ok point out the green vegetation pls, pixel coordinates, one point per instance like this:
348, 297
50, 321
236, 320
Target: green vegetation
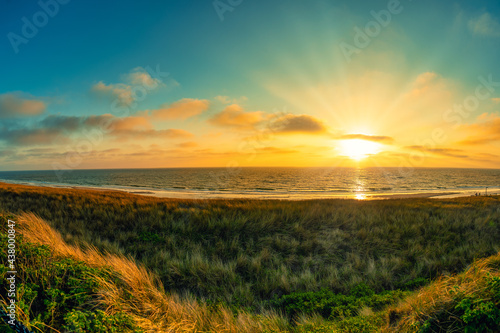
324, 265
333, 306
58, 293
467, 302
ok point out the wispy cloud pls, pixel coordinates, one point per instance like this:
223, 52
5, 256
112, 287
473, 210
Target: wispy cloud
139, 76
484, 25
485, 132
305, 124
235, 116
188, 144
275, 150
183, 109
58, 129
124, 92
20, 105
448, 152
32, 137
229, 100
374, 138
134, 134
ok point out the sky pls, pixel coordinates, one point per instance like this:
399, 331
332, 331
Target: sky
170, 83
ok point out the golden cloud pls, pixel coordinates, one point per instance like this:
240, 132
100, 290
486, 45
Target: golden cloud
183, 109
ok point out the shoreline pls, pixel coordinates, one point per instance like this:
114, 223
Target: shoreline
289, 196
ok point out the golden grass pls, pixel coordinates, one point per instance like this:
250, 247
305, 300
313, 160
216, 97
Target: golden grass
140, 293
441, 296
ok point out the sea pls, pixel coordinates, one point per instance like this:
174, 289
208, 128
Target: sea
273, 182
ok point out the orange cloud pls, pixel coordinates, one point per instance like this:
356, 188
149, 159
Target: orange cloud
134, 134
189, 144
275, 150
36, 136
299, 124
234, 116
183, 109
374, 138
13, 105
448, 152
131, 123
485, 132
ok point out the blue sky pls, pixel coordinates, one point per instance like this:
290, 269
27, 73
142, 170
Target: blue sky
262, 57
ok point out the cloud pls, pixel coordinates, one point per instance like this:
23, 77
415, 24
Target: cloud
7, 153
133, 127
299, 124
15, 105
425, 78
223, 99
183, 109
275, 150
35, 136
139, 76
61, 122
229, 100
428, 85
448, 152
121, 92
125, 135
131, 123
234, 116
56, 129
39, 151
495, 100
50, 130
188, 144
488, 131
374, 138
135, 83
484, 25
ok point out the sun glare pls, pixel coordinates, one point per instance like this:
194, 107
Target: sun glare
358, 149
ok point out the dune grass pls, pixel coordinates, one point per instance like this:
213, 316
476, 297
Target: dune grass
466, 302
243, 253
222, 263
64, 288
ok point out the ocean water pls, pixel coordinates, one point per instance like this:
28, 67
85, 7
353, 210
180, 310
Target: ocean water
274, 183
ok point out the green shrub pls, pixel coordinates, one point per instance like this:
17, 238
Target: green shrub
360, 324
479, 315
98, 322
331, 305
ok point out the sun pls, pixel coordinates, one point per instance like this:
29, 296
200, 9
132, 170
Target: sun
358, 149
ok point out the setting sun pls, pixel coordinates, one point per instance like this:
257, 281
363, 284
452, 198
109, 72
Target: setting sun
358, 149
